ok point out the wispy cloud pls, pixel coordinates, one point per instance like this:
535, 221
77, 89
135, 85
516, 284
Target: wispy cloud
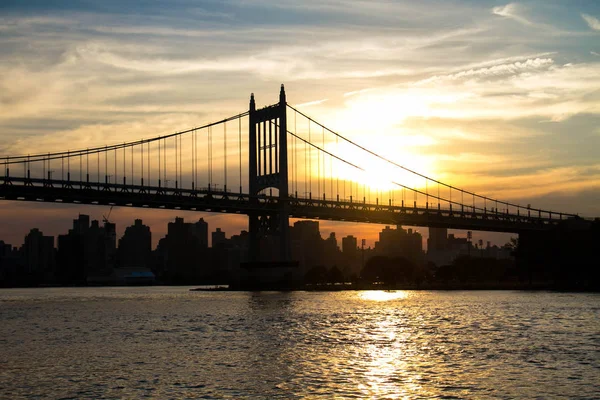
512, 11
312, 103
544, 181
592, 22
496, 70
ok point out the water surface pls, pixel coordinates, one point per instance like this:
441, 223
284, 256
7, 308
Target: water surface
169, 342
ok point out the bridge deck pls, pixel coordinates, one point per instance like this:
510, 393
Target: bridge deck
211, 200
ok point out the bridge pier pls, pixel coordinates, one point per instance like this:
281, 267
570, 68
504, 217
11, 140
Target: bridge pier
270, 261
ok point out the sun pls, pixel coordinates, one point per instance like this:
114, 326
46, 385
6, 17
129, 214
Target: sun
373, 122
376, 173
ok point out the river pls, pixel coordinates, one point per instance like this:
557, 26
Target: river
172, 343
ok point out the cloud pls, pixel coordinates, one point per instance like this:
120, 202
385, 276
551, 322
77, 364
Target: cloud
495, 70
311, 103
512, 11
541, 182
592, 22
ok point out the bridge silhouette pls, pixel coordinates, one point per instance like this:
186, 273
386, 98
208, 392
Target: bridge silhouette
259, 164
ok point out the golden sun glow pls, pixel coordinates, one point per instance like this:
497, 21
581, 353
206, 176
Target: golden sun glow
377, 173
376, 122
381, 295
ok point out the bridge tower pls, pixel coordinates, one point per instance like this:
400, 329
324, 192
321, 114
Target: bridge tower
269, 170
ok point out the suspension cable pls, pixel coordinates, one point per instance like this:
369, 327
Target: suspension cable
408, 169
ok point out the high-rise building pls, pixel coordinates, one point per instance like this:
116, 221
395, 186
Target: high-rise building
218, 238
400, 242
307, 244
201, 232
81, 224
438, 239
38, 253
183, 251
135, 247
349, 246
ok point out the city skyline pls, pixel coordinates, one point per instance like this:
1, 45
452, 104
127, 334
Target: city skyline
159, 234
501, 99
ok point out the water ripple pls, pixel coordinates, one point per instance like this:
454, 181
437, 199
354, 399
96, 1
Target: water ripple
161, 342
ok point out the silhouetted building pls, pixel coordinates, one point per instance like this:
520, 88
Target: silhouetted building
399, 242
70, 259
38, 254
218, 238
87, 253
438, 239
307, 244
135, 247
100, 251
81, 224
350, 246
352, 258
201, 232
9, 260
183, 253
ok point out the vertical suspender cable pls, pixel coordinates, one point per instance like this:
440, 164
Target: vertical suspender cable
331, 176
225, 155
305, 169
142, 163
98, 172
323, 155
295, 155
240, 149
309, 163
270, 147
196, 157
148, 166
263, 149
105, 164
159, 165
193, 161
318, 173
209, 156
124, 165
180, 160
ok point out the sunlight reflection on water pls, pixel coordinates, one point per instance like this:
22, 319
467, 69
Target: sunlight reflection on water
381, 295
172, 343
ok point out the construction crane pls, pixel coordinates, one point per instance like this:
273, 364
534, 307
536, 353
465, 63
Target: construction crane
105, 219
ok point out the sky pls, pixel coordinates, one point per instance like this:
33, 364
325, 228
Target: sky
499, 98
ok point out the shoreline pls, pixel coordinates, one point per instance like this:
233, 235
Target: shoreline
345, 287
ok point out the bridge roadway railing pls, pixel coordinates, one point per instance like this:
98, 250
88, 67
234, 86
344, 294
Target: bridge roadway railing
464, 218
78, 192
212, 200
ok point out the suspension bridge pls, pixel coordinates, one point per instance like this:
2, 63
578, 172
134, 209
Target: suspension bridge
272, 164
